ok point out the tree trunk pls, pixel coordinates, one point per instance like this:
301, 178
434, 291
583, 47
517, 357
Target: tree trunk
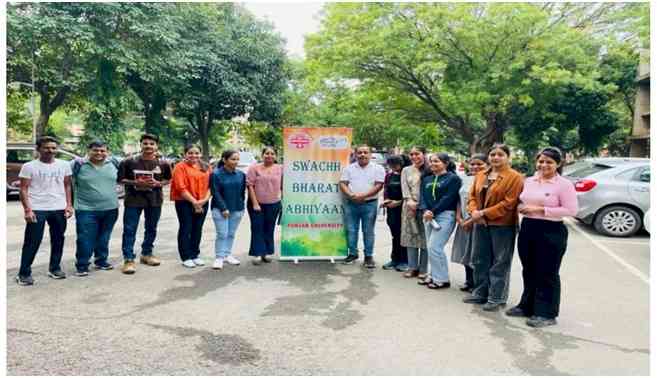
204, 122
530, 153
153, 108
205, 145
47, 106
44, 114
42, 123
494, 133
153, 99
187, 139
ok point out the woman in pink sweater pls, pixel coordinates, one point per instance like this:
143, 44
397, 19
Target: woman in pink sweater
264, 181
546, 199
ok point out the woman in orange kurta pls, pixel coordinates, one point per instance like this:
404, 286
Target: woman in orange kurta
190, 189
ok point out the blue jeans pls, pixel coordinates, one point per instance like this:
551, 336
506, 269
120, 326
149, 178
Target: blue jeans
226, 229
436, 240
417, 259
131, 223
34, 234
354, 214
94, 230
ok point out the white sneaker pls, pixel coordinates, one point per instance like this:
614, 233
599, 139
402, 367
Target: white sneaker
232, 261
189, 264
198, 261
218, 264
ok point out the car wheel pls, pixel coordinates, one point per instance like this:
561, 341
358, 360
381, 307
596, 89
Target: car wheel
617, 221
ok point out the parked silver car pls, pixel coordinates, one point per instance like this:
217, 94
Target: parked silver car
613, 193
247, 159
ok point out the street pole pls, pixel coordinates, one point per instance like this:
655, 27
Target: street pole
34, 119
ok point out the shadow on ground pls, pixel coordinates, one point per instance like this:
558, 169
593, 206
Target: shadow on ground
338, 307
515, 342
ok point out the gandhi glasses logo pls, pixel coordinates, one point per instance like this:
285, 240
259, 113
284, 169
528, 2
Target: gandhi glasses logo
333, 142
299, 140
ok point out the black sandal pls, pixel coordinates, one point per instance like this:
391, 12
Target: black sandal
434, 285
426, 281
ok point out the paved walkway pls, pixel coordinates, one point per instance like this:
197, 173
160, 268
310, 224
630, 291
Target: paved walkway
313, 318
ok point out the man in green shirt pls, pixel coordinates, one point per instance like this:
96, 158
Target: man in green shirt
96, 207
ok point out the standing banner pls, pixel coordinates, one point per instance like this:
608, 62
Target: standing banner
312, 226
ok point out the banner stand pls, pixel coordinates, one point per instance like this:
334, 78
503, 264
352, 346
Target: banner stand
295, 260
312, 223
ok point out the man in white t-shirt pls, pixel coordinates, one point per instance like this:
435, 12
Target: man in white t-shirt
361, 182
46, 197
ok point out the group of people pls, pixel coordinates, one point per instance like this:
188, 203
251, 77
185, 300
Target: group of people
424, 197
426, 201
52, 190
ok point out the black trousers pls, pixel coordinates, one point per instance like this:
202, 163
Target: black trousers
34, 234
263, 223
394, 219
190, 229
541, 246
469, 276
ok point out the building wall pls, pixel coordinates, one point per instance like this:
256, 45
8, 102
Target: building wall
640, 136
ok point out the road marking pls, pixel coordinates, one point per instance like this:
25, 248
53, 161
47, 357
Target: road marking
611, 254
622, 241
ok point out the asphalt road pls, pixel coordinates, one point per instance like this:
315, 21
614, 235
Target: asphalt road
316, 317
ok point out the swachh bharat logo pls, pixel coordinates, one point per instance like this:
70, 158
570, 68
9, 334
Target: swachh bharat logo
299, 140
333, 142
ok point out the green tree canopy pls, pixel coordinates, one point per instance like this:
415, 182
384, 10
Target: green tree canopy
51, 47
240, 74
463, 66
200, 62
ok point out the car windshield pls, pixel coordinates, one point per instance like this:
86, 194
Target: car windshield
247, 158
20, 156
583, 169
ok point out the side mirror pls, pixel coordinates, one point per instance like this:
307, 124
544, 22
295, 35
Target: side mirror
645, 176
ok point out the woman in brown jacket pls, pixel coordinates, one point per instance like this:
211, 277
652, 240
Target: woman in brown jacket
493, 203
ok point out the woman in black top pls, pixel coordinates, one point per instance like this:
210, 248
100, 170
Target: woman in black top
439, 197
392, 201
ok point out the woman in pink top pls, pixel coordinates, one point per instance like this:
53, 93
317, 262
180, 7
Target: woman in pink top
546, 199
264, 182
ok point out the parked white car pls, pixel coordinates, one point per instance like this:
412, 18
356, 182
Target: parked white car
613, 193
